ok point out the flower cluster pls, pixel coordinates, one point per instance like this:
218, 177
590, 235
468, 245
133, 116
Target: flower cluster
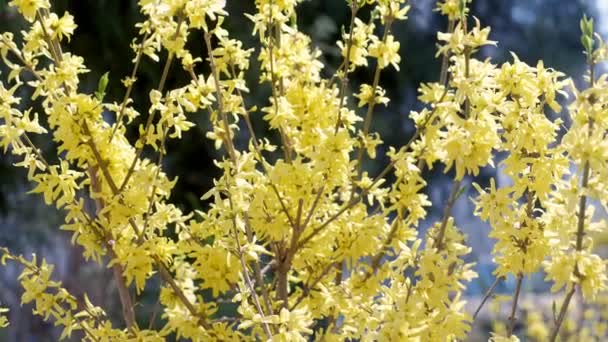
298, 237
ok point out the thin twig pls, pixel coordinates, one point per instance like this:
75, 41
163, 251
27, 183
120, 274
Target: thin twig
118, 271
376, 180
284, 137
456, 187
125, 99
313, 207
487, 296
443, 75
370, 108
124, 295
562, 315
346, 64
512, 319
227, 136
377, 259
580, 231
125, 298
123, 290
259, 152
97, 230
248, 281
36, 271
161, 86
447, 213
258, 271
311, 285
168, 278
154, 313
163, 269
40, 16
256, 265
151, 197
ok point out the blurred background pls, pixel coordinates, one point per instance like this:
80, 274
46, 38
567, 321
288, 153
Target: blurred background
533, 29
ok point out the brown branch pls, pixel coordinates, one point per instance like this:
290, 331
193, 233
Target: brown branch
284, 138
256, 265
370, 108
154, 314
168, 278
227, 136
26, 64
354, 8
456, 187
376, 259
160, 88
487, 296
151, 198
580, 231
123, 291
447, 213
292, 223
125, 99
125, 297
313, 207
376, 180
562, 315
248, 281
118, 271
331, 219
36, 271
54, 48
258, 272
512, 319
444, 75
311, 285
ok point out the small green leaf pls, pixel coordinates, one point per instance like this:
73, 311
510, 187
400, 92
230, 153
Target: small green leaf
586, 25
589, 28
101, 86
587, 44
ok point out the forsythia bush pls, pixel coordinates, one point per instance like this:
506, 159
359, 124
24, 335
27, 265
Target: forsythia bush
309, 246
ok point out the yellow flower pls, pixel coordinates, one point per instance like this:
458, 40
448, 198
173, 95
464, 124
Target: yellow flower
292, 325
3, 319
304, 235
367, 96
452, 8
492, 205
360, 39
29, 7
457, 41
386, 52
218, 269
61, 27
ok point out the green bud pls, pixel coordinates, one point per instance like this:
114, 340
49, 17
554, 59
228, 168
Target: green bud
101, 86
587, 43
586, 25
589, 27
583, 24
